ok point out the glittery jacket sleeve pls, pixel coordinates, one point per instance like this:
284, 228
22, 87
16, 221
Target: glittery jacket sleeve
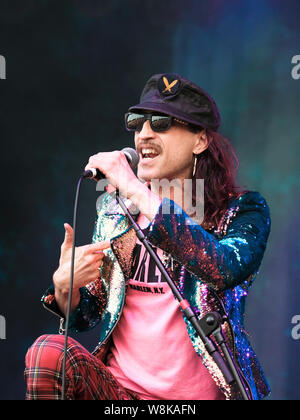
221, 262
84, 317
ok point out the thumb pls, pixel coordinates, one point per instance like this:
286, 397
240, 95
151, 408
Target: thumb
68, 241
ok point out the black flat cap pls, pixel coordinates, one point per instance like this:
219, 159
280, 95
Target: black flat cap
174, 95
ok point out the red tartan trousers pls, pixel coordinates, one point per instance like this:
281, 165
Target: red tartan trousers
87, 378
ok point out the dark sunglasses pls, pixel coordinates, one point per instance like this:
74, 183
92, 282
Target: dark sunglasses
135, 122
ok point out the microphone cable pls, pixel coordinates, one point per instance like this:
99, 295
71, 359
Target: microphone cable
67, 318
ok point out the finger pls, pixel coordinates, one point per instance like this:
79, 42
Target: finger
99, 253
88, 167
94, 161
68, 240
98, 246
97, 257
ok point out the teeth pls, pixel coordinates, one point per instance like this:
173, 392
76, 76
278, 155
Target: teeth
148, 151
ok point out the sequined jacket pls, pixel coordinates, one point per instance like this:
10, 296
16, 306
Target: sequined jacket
213, 270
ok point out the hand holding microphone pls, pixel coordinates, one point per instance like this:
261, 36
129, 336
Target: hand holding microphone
116, 167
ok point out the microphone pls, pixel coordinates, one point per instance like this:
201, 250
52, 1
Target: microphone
131, 156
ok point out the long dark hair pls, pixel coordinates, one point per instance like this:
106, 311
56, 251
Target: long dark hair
217, 165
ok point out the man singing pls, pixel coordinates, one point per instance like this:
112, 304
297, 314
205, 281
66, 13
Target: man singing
148, 349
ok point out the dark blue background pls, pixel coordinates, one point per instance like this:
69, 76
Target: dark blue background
73, 68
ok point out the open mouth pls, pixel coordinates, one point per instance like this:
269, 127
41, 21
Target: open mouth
148, 153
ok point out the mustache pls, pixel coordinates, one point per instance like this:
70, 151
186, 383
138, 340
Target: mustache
147, 145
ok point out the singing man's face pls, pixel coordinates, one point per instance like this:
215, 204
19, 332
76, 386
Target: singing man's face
173, 151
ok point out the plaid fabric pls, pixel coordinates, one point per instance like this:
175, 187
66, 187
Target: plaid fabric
87, 378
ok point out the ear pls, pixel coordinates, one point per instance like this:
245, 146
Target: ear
201, 142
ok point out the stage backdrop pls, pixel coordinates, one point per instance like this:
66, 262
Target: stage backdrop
68, 72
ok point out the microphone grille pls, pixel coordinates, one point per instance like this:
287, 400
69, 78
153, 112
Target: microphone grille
132, 156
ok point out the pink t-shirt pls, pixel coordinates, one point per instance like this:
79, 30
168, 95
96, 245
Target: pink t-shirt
152, 353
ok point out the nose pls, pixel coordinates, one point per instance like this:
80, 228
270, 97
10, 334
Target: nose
144, 135
146, 131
